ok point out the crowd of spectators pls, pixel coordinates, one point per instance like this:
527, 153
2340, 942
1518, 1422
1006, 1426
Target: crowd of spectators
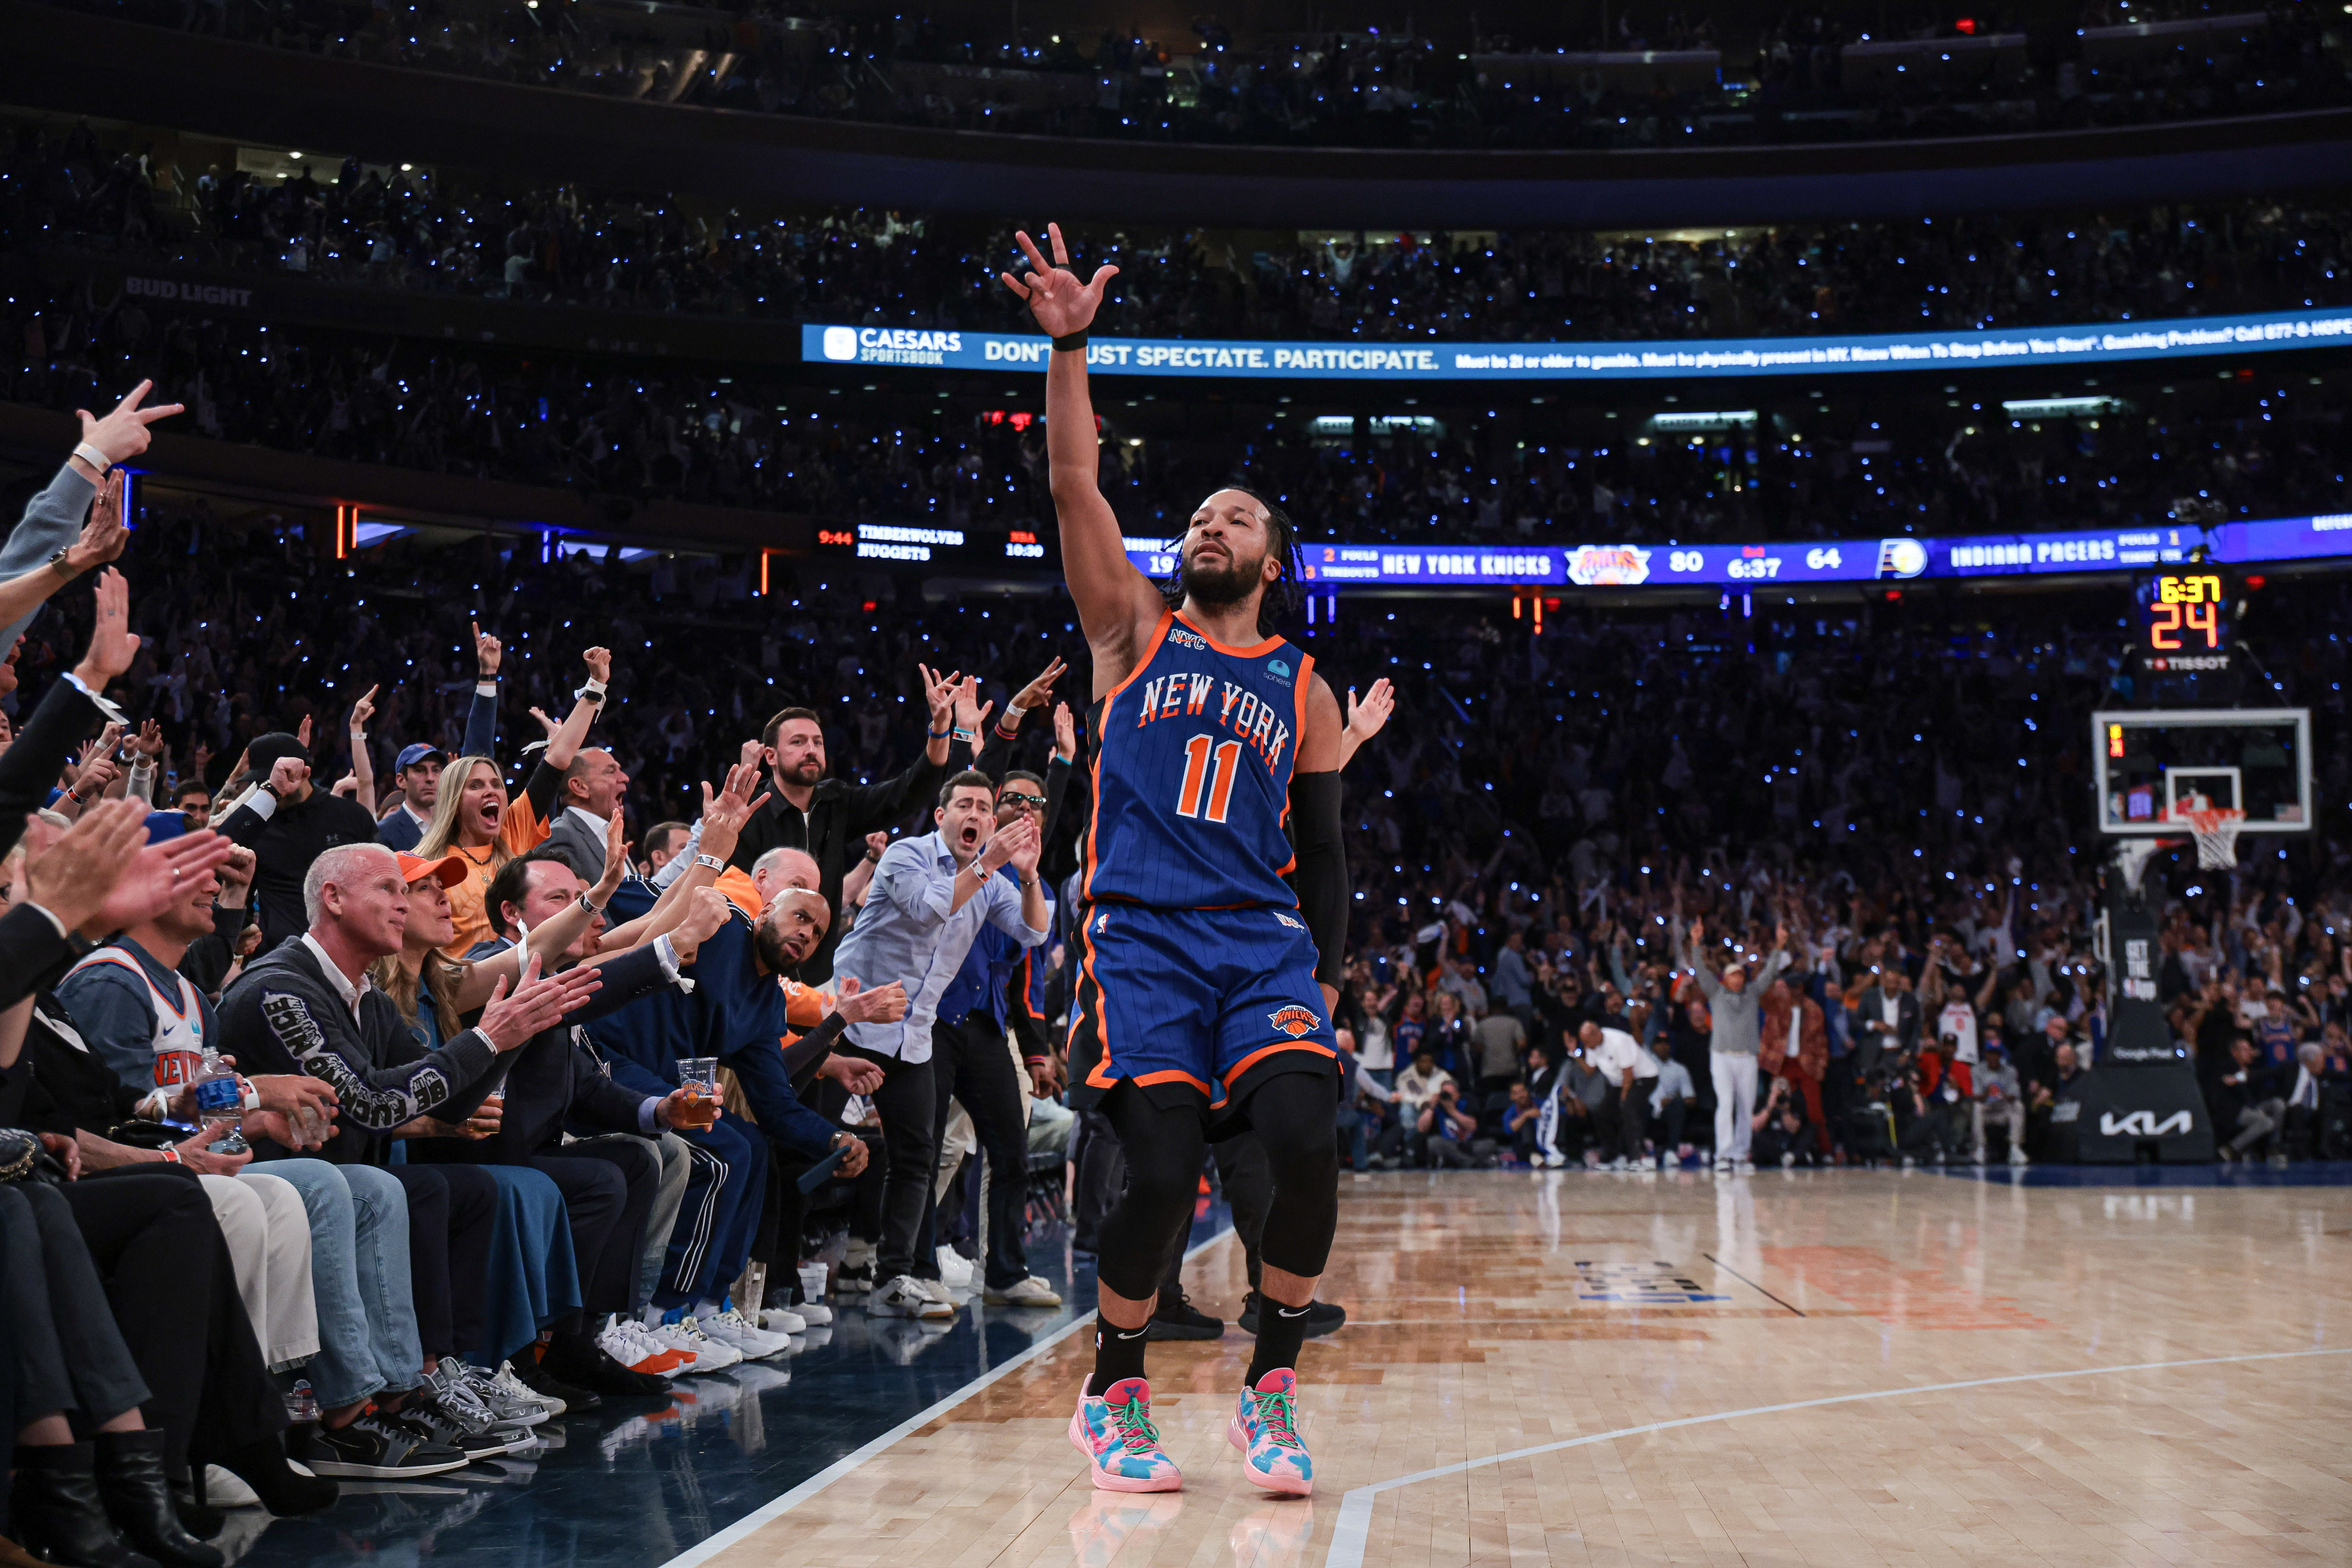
1797, 82
1924, 463
1609, 877
398, 227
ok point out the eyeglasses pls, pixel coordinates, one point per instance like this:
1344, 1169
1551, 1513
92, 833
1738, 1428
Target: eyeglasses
1011, 797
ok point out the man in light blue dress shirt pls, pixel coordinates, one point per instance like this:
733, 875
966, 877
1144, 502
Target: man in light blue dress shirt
925, 905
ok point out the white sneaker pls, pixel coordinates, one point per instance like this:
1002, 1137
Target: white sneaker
687, 1335
515, 1388
1666, 1161
783, 1320
226, 1488
905, 1297
1029, 1292
817, 1314
729, 1328
1553, 1162
936, 1290
955, 1269
1744, 1167
2017, 1156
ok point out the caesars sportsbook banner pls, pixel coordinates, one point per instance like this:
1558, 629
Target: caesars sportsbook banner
948, 349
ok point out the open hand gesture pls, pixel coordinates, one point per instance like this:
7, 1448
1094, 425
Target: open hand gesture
104, 535
970, 713
1059, 302
112, 644
940, 691
1065, 733
1366, 718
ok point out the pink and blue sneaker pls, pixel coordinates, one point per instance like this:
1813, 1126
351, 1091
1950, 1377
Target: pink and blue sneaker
1113, 1430
1266, 1429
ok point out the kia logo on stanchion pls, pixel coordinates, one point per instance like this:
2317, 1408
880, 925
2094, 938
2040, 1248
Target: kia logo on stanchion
2142, 1124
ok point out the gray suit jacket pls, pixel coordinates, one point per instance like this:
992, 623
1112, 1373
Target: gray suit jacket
572, 839
52, 521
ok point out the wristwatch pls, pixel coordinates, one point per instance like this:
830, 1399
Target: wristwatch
63, 568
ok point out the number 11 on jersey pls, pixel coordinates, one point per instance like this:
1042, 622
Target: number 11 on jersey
1197, 772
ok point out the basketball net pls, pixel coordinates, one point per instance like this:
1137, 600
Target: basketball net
2216, 831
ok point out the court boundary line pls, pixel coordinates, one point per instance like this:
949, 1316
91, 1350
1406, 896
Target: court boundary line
1352, 1531
775, 1508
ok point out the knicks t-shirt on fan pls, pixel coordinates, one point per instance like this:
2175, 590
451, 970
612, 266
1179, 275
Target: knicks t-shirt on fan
1191, 773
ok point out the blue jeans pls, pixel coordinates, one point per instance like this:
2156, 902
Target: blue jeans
358, 1278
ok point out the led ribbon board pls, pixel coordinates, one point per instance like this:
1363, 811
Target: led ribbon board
1891, 561
1682, 359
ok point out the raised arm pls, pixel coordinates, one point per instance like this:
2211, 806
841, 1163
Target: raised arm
1117, 606
103, 539
482, 717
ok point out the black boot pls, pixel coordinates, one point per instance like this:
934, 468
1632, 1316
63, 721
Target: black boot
200, 1519
59, 1513
139, 1500
261, 1465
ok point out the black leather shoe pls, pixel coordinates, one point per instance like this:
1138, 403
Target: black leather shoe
139, 1500
58, 1513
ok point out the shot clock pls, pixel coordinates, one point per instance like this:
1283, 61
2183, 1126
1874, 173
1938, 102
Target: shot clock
2184, 618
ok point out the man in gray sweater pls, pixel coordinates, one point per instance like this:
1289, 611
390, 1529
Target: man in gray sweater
1734, 1003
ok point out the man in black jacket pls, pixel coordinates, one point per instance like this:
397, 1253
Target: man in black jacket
806, 810
287, 822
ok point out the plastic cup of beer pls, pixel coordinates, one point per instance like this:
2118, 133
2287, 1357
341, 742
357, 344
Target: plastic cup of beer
698, 1076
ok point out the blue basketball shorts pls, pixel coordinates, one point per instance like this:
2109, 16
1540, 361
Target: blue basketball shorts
1195, 1005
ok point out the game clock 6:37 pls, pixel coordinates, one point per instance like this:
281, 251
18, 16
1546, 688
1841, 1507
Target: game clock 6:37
2185, 611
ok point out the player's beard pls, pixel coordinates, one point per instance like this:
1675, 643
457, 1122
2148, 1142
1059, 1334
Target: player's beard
769, 947
1221, 587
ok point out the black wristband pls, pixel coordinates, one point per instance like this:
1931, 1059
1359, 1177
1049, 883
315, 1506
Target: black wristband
1070, 342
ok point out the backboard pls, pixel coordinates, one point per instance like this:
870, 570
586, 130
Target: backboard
2153, 764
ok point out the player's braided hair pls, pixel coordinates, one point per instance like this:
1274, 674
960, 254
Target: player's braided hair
1283, 595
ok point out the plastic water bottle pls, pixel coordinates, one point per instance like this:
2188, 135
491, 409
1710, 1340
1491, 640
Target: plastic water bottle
220, 1103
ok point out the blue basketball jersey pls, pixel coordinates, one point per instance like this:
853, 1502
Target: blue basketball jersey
1192, 755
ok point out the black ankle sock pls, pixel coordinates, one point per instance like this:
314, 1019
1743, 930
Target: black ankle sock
1280, 1332
1118, 1353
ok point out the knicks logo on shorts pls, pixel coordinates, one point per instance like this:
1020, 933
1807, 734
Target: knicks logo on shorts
1294, 1022
1286, 919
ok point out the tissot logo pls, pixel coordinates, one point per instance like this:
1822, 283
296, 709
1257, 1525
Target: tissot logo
2142, 1124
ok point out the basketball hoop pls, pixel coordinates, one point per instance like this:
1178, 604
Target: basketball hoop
2216, 830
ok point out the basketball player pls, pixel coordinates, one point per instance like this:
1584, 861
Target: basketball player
1205, 986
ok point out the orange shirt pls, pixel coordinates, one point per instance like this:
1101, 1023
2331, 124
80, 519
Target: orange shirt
520, 830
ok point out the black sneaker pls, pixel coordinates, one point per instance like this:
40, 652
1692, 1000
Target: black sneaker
590, 1368
1180, 1320
534, 1375
374, 1447
424, 1413
1322, 1317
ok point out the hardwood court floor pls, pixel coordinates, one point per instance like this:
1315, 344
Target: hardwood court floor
1572, 1314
